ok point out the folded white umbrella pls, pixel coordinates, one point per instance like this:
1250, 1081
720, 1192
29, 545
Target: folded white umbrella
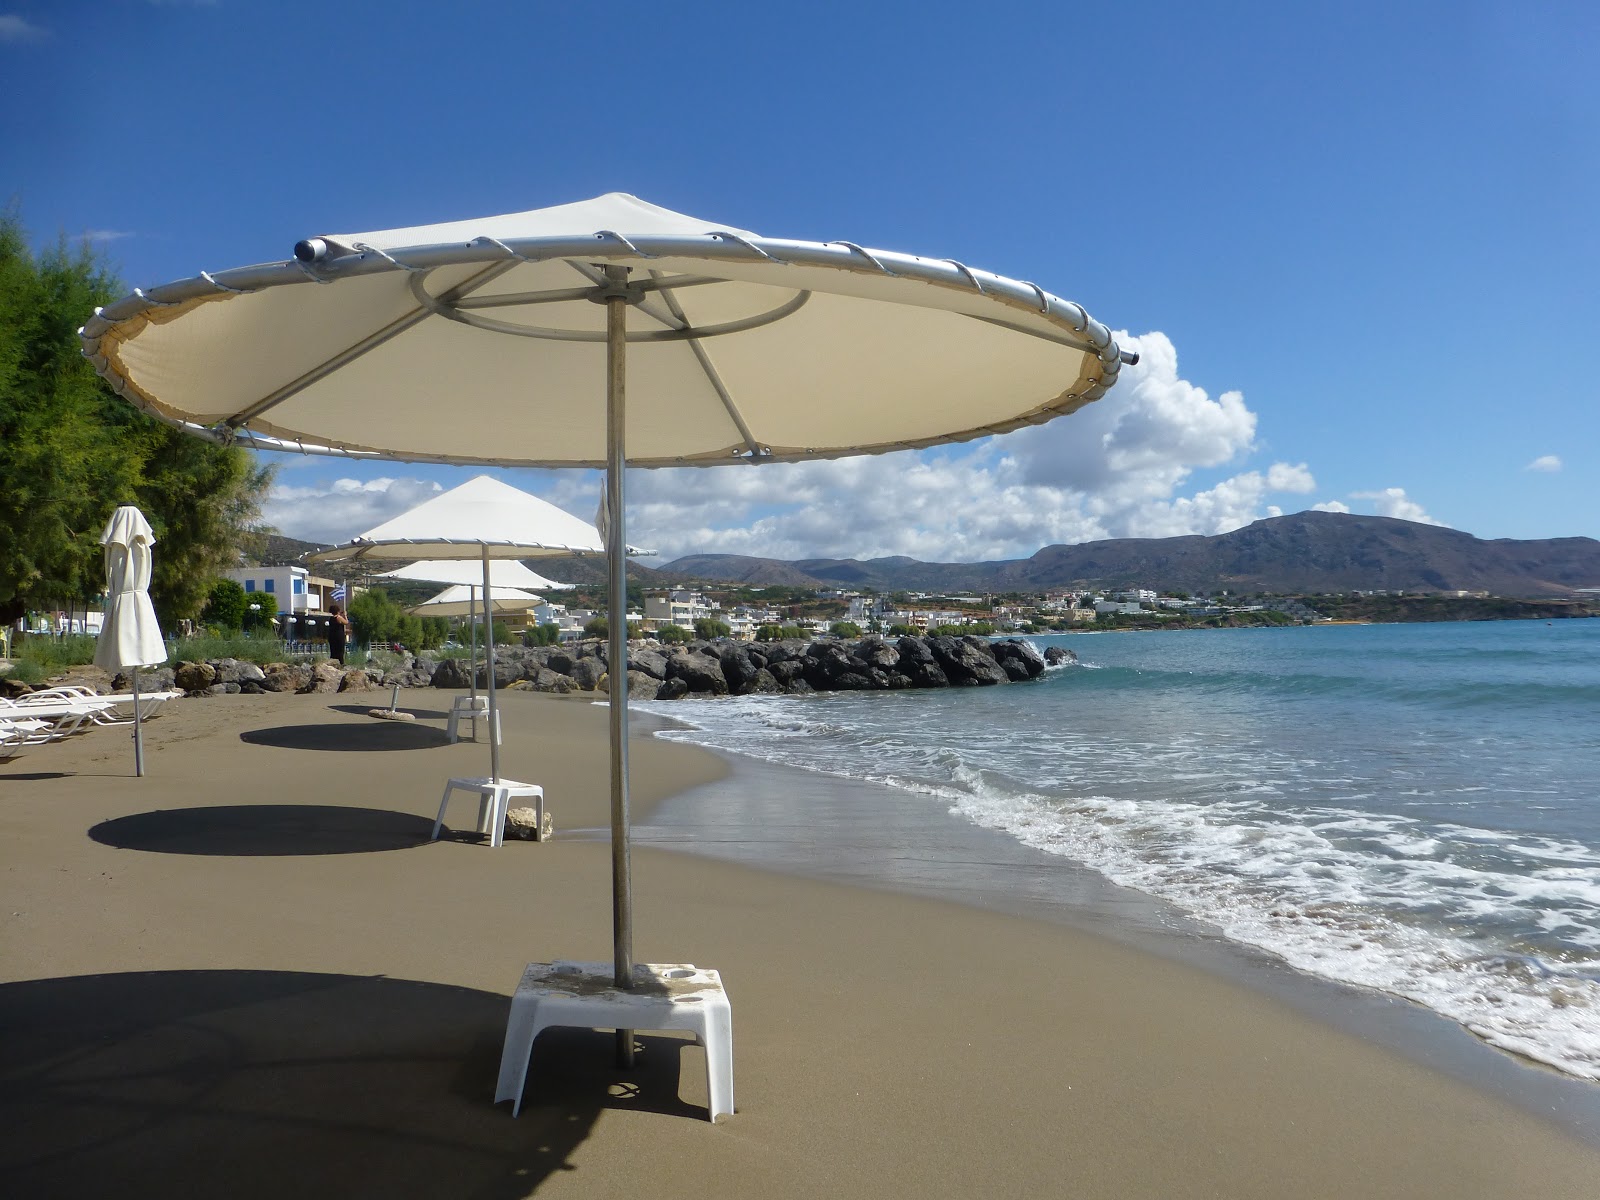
460, 600
605, 333
130, 636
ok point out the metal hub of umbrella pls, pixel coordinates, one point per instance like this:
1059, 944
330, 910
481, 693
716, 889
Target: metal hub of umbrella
604, 333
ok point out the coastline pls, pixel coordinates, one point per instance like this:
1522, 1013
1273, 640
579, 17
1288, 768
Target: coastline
869, 835
887, 1044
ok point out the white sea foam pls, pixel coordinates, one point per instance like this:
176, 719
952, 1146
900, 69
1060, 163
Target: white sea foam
1494, 928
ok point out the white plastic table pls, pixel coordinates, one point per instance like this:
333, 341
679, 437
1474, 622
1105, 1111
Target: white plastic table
494, 798
582, 994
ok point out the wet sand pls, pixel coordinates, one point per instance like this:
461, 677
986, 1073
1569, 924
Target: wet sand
250, 973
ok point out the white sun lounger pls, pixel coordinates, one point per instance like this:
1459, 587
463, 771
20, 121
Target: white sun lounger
105, 710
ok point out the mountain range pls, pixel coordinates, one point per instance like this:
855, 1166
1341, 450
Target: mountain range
1305, 553
1308, 552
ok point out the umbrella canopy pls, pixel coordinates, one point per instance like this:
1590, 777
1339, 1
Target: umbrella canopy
739, 345
130, 636
503, 572
482, 516
608, 332
460, 600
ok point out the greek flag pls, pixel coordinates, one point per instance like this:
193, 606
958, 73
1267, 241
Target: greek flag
338, 592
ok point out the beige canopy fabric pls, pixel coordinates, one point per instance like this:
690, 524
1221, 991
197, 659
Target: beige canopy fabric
503, 572
799, 350
461, 600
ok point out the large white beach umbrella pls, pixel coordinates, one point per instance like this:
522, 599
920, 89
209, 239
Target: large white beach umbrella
602, 333
130, 636
482, 519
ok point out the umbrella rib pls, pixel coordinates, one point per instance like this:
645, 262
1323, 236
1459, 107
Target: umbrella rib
710, 370
370, 342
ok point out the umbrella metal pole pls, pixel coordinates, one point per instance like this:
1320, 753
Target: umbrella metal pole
138, 735
617, 627
472, 654
488, 654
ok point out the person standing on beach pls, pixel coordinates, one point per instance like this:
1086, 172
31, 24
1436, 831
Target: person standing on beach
338, 626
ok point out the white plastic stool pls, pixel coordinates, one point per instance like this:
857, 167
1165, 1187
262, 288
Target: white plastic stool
582, 994
471, 707
494, 798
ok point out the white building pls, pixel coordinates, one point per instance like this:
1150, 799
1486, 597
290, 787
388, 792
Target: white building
288, 586
1102, 607
679, 607
1135, 596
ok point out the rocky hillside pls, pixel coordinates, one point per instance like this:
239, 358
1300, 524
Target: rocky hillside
1307, 552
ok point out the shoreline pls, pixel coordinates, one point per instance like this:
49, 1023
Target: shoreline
961, 863
251, 972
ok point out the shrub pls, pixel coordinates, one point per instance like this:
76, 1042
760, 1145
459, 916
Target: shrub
52, 654
709, 628
601, 628
225, 605
845, 629
259, 609
670, 634
541, 635
903, 631
778, 633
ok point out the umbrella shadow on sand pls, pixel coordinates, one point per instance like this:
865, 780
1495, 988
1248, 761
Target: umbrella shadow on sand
265, 1083
377, 735
252, 830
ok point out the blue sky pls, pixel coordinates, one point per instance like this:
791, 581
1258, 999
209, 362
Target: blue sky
1358, 242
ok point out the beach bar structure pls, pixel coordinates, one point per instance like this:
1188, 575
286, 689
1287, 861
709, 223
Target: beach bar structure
604, 333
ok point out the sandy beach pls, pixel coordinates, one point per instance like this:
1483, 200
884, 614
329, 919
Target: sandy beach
251, 974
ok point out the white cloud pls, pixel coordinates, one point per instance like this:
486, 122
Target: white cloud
15, 29
1334, 506
106, 235
1393, 502
1545, 462
339, 509
1114, 469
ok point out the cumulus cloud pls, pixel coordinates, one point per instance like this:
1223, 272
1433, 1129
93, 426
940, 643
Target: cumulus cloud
1114, 469
339, 509
14, 29
1545, 462
1333, 506
1393, 502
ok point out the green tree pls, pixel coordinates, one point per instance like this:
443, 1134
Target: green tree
541, 635
670, 634
599, 627
845, 629
902, 630
707, 628
374, 617
225, 606
259, 609
71, 451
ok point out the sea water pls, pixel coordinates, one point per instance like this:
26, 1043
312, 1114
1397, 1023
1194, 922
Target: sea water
1413, 809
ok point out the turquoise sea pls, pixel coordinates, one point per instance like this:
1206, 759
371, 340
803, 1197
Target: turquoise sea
1412, 809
